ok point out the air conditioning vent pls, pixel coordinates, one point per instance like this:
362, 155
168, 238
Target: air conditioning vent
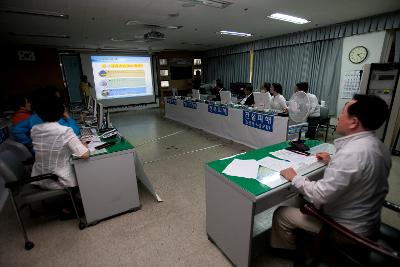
154, 36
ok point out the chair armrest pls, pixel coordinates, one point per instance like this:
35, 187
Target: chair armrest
21, 182
311, 210
391, 206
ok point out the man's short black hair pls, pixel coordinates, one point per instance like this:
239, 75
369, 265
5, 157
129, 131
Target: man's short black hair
277, 88
372, 111
249, 88
19, 102
303, 86
220, 84
48, 106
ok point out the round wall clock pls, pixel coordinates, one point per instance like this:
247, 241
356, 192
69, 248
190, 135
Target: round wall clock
358, 54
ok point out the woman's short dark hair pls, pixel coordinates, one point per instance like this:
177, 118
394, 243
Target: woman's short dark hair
372, 111
303, 86
277, 88
266, 85
48, 106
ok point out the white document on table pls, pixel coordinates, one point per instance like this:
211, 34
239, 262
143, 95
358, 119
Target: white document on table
325, 147
233, 156
270, 177
294, 158
93, 151
242, 168
275, 164
93, 144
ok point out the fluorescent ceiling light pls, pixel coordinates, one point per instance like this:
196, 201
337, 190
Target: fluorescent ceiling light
241, 34
211, 3
288, 18
64, 36
43, 13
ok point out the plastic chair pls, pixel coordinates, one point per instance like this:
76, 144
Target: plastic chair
23, 193
336, 245
22, 152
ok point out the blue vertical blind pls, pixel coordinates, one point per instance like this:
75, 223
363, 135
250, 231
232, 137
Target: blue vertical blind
317, 63
229, 68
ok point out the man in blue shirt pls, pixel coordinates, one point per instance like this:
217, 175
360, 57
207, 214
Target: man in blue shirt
22, 130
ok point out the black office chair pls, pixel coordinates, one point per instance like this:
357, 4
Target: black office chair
324, 121
22, 192
335, 245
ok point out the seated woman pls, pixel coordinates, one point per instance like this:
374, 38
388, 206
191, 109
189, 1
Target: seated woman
265, 88
54, 144
278, 102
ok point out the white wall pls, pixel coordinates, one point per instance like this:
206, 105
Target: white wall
373, 42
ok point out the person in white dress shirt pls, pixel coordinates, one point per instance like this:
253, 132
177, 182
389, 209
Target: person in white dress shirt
314, 116
54, 144
355, 182
278, 102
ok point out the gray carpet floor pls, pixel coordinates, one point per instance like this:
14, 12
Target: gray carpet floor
171, 233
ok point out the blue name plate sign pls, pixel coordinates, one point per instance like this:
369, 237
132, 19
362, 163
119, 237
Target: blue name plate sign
171, 101
220, 110
189, 104
258, 120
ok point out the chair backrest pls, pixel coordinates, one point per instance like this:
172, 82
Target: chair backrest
324, 115
19, 149
11, 167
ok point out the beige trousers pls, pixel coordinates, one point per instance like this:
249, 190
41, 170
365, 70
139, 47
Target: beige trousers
285, 221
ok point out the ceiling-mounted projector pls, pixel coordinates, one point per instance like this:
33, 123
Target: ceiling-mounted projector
154, 36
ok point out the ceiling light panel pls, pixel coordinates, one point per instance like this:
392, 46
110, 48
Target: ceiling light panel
210, 3
288, 18
240, 34
62, 36
43, 13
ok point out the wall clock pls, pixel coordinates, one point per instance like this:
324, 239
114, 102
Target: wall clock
358, 54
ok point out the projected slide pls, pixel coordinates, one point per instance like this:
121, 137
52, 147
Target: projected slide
122, 76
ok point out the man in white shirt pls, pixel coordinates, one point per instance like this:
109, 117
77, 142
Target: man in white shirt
354, 184
314, 115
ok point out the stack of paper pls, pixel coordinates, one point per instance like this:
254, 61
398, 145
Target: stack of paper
275, 164
294, 158
242, 168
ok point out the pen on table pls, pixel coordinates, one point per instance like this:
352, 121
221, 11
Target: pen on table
301, 153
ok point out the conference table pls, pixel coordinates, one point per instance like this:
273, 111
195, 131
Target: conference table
245, 126
108, 182
232, 202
